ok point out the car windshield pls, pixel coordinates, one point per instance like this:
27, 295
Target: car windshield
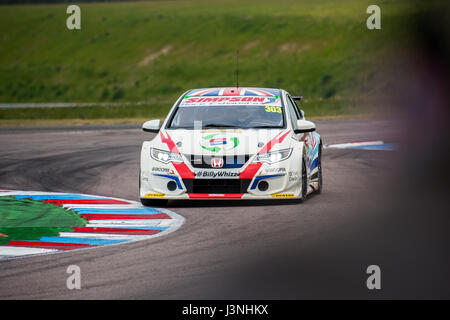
228, 116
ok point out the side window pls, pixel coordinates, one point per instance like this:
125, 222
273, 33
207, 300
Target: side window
299, 111
293, 112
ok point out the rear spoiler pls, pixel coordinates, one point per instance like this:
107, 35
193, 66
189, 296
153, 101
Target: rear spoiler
298, 98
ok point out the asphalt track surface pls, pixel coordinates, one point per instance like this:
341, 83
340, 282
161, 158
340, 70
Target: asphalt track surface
230, 249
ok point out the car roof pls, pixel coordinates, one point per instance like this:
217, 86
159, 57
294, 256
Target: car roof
233, 91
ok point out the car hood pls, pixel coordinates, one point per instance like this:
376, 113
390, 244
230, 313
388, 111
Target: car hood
222, 142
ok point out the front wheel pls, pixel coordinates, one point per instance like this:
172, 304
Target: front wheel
319, 172
304, 182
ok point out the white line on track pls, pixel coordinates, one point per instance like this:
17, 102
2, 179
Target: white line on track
91, 235
355, 144
11, 251
130, 223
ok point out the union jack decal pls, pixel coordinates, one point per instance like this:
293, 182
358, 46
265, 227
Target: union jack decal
233, 92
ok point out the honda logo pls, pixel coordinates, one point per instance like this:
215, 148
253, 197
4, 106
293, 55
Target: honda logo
217, 162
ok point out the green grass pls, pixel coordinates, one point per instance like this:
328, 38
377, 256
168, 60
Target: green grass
25, 219
151, 52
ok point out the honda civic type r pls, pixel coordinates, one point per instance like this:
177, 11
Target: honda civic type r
231, 143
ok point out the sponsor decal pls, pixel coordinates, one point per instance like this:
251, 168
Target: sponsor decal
218, 141
220, 100
282, 195
274, 170
165, 170
154, 195
209, 174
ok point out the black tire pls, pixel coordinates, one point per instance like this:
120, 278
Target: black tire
320, 177
154, 202
304, 182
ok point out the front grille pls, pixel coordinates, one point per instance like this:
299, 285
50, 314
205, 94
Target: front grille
230, 162
216, 185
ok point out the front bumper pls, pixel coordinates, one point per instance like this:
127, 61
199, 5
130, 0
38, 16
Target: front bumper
262, 186
195, 180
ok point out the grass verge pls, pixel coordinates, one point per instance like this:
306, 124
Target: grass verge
154, 51
25, 219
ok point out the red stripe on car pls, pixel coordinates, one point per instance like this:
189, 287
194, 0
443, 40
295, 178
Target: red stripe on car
182, 169
215, 195
252, 168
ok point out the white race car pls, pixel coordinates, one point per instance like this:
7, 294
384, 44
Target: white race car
231, 143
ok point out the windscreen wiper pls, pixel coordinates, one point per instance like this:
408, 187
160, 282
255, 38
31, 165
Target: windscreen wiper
218, 125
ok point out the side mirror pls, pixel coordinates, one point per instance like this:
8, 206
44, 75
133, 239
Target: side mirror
152, 126
304, 126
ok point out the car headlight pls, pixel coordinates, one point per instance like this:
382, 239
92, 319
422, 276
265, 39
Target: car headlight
273, 156
165, 156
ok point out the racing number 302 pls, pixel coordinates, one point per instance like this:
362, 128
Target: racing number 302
273, 109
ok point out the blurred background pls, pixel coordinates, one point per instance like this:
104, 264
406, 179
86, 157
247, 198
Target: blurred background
131, 60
